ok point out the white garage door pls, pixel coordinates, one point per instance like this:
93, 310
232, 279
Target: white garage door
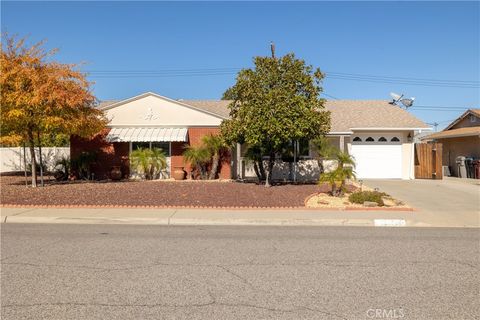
378, 160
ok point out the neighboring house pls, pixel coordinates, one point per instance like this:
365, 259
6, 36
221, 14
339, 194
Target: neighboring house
459, 138
379, 136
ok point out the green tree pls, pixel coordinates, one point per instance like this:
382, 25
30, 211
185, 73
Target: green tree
215, 145
274, 103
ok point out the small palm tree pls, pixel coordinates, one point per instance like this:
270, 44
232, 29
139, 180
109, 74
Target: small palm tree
346, 164
149, 162
198, 157
215, 145
338, 177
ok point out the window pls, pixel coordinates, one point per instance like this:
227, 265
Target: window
303, 148
370, 139
473, 118
382, 139
357, 139
140, 145
165, 146
395, 139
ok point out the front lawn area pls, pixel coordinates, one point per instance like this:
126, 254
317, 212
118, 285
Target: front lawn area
156, 193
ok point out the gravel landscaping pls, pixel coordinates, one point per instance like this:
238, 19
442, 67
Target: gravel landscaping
155, 193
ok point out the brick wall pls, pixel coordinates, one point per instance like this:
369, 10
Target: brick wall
108, 154
116, 154
194, 139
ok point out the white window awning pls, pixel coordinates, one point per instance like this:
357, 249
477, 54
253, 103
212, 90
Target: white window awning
146, 134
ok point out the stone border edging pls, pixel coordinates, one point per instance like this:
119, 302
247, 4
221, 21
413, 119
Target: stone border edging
352, 208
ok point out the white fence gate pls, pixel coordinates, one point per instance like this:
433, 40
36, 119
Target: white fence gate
11, 159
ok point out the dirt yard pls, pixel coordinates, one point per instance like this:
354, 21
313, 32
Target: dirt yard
155, 193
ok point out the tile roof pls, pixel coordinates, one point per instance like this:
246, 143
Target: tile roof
454, 133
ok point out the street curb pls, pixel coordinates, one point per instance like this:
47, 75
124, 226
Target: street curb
191, 221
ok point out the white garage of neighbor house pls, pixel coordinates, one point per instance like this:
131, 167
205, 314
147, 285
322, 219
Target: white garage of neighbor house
377, 134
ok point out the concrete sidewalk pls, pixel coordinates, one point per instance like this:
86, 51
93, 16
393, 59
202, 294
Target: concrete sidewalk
225, 217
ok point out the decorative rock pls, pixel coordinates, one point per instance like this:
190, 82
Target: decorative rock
370, 204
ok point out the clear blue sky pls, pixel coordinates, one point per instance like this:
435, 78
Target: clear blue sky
427, 40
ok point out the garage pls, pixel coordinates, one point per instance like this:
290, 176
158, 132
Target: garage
377, 157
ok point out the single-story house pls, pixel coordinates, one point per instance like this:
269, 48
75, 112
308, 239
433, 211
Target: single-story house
377, 134
459, 138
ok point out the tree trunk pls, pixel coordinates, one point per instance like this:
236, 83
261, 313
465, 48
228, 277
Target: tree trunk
334, 189
215, 165
257, 172
261, 168
25, 163
33, 159
343, 187
271, 163
320, 165
40, 158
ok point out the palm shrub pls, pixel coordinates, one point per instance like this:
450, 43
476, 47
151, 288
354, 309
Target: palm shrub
64, 171
198, 157
338, 178
82, 164
148, 162
215, 146
346, 165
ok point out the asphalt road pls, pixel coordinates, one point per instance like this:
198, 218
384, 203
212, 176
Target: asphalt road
156, 272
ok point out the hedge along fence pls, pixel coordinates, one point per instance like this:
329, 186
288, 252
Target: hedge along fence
11, 159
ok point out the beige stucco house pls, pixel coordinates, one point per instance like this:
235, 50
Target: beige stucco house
378, 134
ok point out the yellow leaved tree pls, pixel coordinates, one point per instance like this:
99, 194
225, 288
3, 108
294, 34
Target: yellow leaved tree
40, 96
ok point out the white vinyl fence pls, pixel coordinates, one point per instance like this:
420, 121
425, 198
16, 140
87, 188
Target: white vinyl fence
11, 159
306, 170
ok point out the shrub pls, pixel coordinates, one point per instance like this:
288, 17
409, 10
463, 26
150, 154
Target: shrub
362, 196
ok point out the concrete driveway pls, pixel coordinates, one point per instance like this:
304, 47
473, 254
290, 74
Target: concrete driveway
448, 202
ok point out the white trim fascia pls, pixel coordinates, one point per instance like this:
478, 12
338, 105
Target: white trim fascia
390, 129
460, 135
149, 93
340, 133
159, 126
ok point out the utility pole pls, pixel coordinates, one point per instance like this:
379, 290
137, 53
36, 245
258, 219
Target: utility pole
272, 48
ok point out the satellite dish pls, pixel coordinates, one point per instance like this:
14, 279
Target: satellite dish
407, 103
396, 97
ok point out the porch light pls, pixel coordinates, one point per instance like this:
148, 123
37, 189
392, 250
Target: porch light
409, 137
